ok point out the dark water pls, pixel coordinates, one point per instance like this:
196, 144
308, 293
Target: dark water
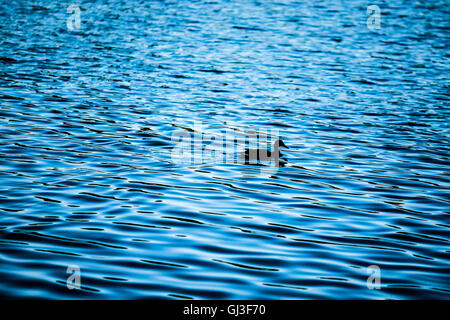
87, 179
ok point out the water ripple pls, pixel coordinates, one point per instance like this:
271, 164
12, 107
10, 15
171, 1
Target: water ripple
87, 178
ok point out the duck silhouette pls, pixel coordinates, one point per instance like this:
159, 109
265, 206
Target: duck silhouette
255, 155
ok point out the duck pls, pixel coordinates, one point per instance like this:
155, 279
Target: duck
255, 155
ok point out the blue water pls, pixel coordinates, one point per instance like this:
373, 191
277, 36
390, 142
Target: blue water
87, 179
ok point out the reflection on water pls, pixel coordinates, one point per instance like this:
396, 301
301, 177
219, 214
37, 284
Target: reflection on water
87, 178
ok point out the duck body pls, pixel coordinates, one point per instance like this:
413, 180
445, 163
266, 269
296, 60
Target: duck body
255, 155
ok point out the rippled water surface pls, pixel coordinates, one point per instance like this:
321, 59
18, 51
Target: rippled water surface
87, 118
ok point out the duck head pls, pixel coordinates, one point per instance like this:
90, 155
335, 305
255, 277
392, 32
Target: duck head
279, 143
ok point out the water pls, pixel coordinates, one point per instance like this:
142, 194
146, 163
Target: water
87, 179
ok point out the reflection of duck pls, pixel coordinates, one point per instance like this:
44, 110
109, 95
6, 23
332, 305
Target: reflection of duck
254, 155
